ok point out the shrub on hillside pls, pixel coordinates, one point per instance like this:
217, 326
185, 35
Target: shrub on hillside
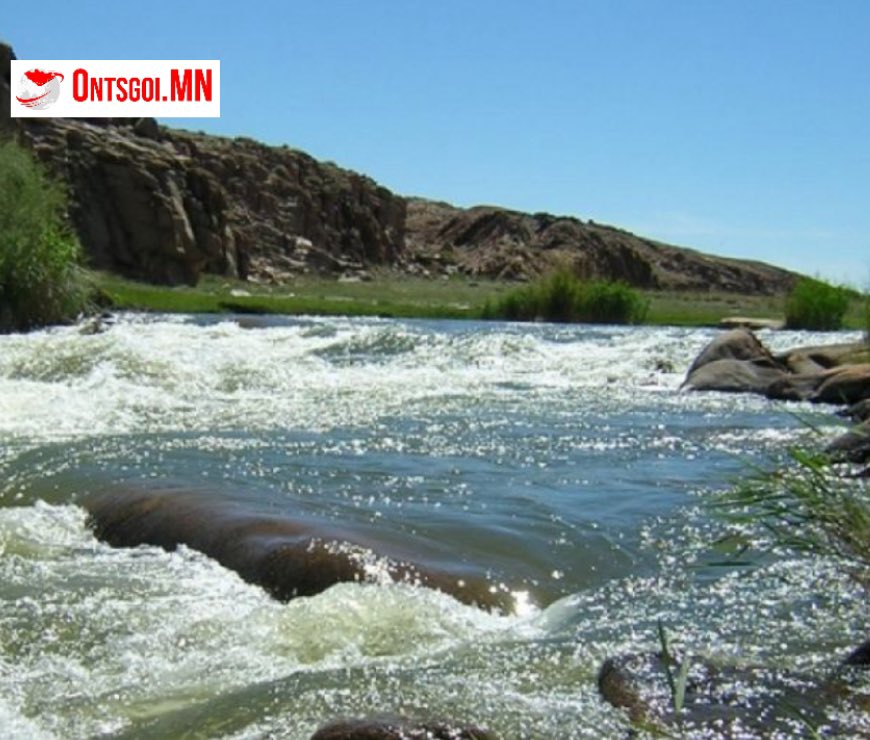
815, 304
40, 281
563, 297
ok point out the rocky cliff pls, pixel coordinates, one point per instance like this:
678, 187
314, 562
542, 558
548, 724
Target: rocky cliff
167, 205
508, 244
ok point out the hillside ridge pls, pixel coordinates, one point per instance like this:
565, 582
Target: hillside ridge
167, 205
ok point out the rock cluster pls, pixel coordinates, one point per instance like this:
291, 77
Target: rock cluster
167, 206
736, 361
724, 699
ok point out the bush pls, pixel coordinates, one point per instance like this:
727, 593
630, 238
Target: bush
814, 304
40, 282
561, 296
866, 317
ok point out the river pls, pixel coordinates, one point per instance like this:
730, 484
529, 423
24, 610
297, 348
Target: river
559, 463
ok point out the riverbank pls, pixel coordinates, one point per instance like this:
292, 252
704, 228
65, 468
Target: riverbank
389, 294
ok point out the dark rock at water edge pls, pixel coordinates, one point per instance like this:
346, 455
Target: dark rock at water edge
858, 411
400, 728
736, 361
724, 700
167, 205
852, 446
860, 656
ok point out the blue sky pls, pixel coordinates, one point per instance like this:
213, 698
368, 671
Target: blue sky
738, 127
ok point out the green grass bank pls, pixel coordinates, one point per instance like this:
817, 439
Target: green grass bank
390, 294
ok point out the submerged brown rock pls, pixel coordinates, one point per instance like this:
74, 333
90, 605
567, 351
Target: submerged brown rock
724, 701
399, 728
287, 557
167, 206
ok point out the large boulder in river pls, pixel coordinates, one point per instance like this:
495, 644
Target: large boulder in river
795, 387
815, 358
288, 557
400, 728
736, 344
844, 385
735, 361
735, 376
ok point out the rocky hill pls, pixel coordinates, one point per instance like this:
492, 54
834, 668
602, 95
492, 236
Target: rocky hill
166, 205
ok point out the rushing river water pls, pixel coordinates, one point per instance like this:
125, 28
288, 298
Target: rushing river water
559, 463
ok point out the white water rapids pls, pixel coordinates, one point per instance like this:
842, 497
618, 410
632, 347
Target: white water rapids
559, 463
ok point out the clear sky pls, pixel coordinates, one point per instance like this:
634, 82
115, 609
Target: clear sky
739, 127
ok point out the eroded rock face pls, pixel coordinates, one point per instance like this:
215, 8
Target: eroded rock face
500, 243
399, 728
167, 205
139, 209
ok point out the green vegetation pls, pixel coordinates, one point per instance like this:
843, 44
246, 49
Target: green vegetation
562, 296
397, 295
815, 304
40, 282
676, 683
387, 296
865, 318
806, 507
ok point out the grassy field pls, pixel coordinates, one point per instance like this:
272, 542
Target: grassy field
389, 294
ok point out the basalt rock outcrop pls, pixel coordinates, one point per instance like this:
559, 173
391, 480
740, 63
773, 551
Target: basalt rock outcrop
166, 205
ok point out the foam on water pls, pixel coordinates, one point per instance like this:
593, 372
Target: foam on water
562, 462
152, 375
99, 636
